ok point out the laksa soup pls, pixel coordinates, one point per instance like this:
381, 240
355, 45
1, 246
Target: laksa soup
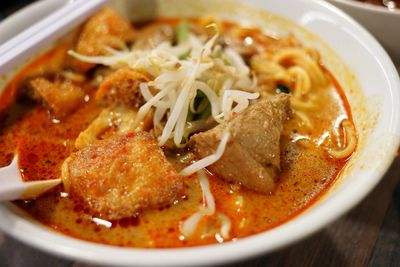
175, 132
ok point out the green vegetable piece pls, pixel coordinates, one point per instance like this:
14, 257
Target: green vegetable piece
282, 89
185, 55
182, 32
190, 116
206, 113
226, 62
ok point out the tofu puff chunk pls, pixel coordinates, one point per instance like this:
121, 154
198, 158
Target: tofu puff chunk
152, 36
105, 29
119, 93
62, 97
121, 176
122, 87
252, 154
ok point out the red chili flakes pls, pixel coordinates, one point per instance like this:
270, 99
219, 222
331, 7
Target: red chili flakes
130, 221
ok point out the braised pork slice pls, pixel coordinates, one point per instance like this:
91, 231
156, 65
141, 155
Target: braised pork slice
105, 29
122, 87
252, 155
121, 176
62, 97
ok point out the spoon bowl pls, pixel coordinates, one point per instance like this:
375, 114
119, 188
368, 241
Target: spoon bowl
13, 187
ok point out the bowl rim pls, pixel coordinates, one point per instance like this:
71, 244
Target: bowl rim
369, 7
41, 237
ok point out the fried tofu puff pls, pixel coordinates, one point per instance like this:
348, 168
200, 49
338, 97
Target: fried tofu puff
121, 176
62, 97
105, 29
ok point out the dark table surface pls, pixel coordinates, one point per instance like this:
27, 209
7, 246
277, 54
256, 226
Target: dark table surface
367, 236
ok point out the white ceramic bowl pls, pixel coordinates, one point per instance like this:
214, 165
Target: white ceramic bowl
370, 82
380, 21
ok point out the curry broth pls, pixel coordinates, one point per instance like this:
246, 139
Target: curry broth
43, 142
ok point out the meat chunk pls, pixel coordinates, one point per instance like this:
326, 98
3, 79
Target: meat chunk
252, 154
106, 29
122, 87
121, 176
62, 97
